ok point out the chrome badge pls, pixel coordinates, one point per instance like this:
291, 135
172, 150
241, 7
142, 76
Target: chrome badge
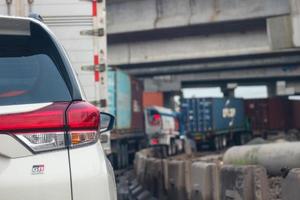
38, 169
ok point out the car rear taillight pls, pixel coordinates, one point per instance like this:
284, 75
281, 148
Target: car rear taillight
49, 118
83, 121
56, 126
43, 141
154, 141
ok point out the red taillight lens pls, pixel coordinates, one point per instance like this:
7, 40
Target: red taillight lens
48, 118
83, 120
83, 116
154, 141
46, 128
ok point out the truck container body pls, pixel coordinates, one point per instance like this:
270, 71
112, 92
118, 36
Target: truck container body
295, 108
268, 115
111, 92
123, 100
137, 90
181, 124
153, 99
71, 21
213, 115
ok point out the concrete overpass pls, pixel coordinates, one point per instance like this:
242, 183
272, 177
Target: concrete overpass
189, 43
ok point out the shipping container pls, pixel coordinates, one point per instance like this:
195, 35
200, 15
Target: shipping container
257, 115
295, 109
279, 113
125, 102
216, 115
268, 115
137, 90
153, 99
213, 119
112, 92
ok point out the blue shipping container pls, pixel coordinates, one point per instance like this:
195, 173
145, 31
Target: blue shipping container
119, 95
111, 92
123, 107
213, 115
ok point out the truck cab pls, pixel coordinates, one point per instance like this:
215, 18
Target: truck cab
162, 126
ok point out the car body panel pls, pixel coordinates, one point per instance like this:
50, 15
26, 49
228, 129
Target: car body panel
92, 175
17, 181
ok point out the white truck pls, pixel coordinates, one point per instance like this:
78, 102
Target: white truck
162, 127
80, 27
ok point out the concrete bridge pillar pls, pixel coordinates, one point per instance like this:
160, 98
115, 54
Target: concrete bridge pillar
282, 88
170, 101
228, 90
168, 87
272, 91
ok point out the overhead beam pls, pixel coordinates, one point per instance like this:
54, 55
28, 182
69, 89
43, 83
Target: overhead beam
188, 67
248, 75
242, 74
137, 15
189, 47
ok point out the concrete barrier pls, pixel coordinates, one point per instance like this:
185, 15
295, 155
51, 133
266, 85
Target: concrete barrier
136, 163
290, 185
212, 159
140, 168
137, 191
244, 183
145, 195
205, 181
193, 178
154, 177
166, 174
178, 180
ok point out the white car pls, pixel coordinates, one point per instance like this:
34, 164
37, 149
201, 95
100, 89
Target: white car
49, 133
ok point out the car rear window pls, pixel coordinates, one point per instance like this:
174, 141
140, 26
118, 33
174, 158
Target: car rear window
29, 71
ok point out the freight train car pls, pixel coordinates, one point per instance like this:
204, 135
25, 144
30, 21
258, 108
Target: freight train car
214, 121
125, 95
266, 116
295, 121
